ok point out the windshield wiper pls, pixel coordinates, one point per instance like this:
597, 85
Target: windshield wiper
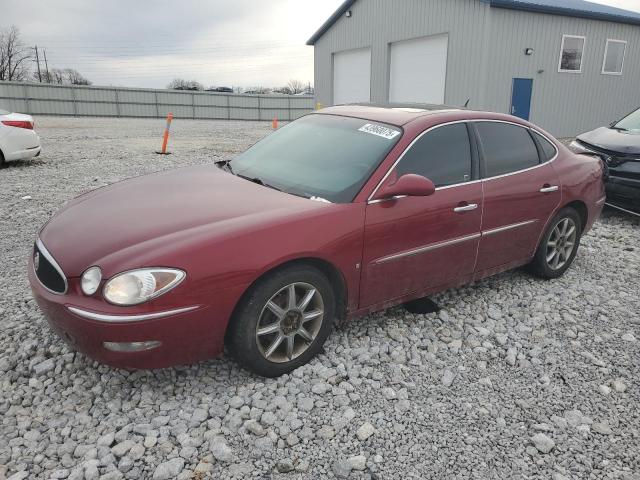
620, 129
225, 164
259, 181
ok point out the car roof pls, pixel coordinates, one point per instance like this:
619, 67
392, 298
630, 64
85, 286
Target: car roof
395, 114
402, 114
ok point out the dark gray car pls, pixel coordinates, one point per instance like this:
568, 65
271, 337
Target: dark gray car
619, 146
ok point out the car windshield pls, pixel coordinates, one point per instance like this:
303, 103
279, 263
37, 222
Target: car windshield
324, 156
4, 112
631, 122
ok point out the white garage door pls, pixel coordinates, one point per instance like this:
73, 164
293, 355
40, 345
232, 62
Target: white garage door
418, 70
352, 76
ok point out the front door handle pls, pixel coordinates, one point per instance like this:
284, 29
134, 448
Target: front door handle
466, 208
549, 189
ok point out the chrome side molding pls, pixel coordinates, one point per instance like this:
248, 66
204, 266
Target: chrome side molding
505, 228
426, 248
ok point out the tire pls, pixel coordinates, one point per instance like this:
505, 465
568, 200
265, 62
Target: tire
266, 316
547, 264
1, 159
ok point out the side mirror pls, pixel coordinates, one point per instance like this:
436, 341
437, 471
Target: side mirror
410, 185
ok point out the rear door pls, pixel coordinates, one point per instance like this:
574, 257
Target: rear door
521, 191
414, 243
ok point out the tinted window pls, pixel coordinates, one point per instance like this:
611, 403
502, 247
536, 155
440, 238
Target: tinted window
325, 156
442, 155
507, 148
548, 149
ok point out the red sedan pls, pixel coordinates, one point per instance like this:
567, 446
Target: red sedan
340, 213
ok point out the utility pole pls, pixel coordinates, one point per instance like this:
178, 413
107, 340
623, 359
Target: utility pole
46, 65
38, 61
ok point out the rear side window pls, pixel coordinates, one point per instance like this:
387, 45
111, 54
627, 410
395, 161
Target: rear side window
443, 155
548, 150
507, 148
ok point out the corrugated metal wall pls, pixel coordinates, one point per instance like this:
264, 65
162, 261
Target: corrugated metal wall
486, 51
42, 99
377, 23
565, 104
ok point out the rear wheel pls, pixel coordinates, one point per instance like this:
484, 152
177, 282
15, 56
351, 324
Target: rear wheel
283, 321
559, 245
1, 159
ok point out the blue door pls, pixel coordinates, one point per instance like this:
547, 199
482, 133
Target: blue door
521, 97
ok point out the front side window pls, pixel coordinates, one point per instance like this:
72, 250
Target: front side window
324, 156
506, 148
614, 57
443, 155
571, 54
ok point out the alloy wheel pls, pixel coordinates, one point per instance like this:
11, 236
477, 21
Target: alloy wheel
289, 322
561, 243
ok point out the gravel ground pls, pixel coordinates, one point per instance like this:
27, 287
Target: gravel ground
513, 378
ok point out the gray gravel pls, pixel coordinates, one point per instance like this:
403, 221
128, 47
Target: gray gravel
513, 378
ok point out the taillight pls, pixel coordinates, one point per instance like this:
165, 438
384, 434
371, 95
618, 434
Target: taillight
18, 124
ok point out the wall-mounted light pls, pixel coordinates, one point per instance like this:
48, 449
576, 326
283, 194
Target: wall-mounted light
348, 14
528, 51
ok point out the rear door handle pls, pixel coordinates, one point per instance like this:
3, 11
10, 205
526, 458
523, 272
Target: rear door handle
466, 208
549, 189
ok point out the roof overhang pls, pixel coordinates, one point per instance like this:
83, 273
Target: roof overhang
567, 8
570, 8
342, 9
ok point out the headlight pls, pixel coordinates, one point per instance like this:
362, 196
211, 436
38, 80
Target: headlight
91, 280
138, 286
581, 148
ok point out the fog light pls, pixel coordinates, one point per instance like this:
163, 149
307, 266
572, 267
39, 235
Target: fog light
131, 346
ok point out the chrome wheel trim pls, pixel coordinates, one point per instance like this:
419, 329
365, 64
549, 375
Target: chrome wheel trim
561, 243
289, 322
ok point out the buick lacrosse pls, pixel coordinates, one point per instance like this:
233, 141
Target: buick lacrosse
343, 212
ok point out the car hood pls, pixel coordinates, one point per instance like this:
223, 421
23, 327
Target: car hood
622, 142
143, 210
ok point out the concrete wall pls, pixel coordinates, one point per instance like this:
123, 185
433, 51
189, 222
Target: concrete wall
43, 99
486, 51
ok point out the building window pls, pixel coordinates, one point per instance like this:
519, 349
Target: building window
571, 54
614, 57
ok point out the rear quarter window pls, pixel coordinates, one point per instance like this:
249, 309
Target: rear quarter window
548, 149
506, 148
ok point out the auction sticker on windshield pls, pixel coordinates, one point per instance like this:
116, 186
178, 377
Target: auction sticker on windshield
379, 130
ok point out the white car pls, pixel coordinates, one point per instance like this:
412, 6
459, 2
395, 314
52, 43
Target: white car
18, 138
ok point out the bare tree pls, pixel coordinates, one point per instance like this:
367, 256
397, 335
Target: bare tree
63, 76
295, 86
74, 77
181, 84
14, 55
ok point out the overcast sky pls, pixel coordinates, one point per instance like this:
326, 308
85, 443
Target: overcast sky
148, 43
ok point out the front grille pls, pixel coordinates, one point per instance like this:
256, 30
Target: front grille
48, 271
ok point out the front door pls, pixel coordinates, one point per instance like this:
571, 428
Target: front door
520, 194
521, 97
414, 243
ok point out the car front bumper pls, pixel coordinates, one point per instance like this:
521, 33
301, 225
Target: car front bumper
179, 335
623, 192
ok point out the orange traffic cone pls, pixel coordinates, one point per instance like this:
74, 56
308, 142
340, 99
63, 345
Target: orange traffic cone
274, 123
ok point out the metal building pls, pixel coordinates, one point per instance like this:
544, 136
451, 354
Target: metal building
567, 65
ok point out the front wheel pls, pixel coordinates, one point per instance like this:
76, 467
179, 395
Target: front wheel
559, 245
283, 321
